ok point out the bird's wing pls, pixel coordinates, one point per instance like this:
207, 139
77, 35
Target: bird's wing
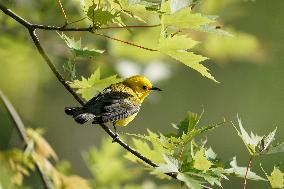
98, 96
111, 105
120, 107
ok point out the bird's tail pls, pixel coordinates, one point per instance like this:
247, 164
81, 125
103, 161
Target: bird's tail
79, 116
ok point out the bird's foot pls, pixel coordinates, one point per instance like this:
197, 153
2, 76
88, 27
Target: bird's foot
115, 138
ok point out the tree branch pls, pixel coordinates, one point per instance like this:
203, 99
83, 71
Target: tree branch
22, 132
31, 28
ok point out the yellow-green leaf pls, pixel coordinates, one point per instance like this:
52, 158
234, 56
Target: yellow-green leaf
276, 179
192, 60
177, 46
88, 88
185, 19
176, 42
200, 161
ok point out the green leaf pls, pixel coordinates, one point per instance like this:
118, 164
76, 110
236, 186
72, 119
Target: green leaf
77, 49
268, 140
235, 170
146, 150
276, 149
188, 124
276, 179
177, 48
211, 178
189, 181
191, 60
185, 19
213, 30
101, 16
171, 165
177, 42
109, 155
88, 88
200, 161
70, 68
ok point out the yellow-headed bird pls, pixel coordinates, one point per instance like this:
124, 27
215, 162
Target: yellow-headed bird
119, 103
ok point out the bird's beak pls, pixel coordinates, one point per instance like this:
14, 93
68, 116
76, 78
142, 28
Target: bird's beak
155, 89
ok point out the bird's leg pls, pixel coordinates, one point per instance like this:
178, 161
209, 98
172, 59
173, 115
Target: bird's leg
116, 134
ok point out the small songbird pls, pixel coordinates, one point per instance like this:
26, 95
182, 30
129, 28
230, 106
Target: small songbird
119, 103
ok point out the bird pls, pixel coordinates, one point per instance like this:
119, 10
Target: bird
119, 103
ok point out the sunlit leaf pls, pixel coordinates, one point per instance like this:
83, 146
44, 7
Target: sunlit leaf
177, 42
251, 141
214, 30
171, 165
276, 179
185, 19
16, 164
189, 181
235, 170
43, 148
267, 140
75, 182
101, 16
77, 48
88, 88
279, 148
170, 47
200, 161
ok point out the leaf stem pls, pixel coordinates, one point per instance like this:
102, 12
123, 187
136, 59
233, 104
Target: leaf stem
63, 12
247, 170
134, 26
126, 42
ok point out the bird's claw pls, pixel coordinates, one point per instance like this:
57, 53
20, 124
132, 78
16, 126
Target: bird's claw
115, 138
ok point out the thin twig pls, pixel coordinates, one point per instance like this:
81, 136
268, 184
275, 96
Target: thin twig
22, 132
247, 170
133, 26
57, 28
126, 42
63, 12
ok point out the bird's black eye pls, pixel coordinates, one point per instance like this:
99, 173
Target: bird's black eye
144, 87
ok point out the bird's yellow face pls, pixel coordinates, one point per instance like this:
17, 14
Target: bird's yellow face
140, 85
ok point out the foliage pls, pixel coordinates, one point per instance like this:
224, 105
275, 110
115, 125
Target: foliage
276, 179
88, 88
181, 154
77, 51
259, 145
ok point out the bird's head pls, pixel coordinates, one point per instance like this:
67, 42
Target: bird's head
140, 85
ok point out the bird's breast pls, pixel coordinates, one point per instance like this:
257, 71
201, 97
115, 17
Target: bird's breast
125, 121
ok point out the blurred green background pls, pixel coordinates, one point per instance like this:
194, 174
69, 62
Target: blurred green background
249, 67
